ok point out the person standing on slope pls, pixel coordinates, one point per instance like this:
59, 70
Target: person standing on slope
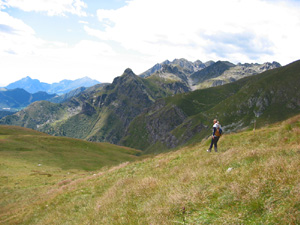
215, 136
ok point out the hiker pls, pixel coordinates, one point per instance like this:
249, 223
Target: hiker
217, 131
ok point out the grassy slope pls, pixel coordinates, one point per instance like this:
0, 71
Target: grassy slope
32, 162
189, 186
66, 153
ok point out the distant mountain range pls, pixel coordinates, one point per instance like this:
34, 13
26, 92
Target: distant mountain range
62, 87
160, 111
16, 99
198, 75
20, 94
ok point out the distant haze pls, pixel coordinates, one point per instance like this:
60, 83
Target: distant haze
62, 87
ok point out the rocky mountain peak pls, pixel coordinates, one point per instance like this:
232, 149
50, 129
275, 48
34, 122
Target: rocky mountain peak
128, 71
166, 62
127, 76
27, 78
268, 65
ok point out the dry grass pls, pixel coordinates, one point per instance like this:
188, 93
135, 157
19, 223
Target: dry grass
189, 186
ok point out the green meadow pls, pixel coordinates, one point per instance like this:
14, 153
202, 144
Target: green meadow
253, 179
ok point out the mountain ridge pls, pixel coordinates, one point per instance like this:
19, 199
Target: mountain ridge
209, 74
62, 87
102, 114
18, 98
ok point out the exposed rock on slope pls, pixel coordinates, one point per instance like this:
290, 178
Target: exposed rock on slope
233, 73
198, 75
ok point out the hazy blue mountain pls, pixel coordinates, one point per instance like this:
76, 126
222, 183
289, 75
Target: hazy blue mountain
66, 86
67, 96
62, 87
16, 99
5, 113
76, 92
29, 85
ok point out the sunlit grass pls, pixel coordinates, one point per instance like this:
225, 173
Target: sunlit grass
253, 179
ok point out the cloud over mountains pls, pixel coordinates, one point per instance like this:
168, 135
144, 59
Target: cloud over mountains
75, 38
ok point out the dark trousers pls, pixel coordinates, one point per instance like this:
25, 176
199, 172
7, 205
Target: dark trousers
214, 141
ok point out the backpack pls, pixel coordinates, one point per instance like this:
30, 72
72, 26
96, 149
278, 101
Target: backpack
218, 132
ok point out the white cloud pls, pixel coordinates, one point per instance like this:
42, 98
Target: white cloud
15, 35
145, 32
52, 7
255, 30
83, 22
23, 54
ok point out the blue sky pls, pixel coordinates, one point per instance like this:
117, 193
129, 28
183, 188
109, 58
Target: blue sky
51, 40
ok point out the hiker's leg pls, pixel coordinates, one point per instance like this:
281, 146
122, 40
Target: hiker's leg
211, 144
216, 139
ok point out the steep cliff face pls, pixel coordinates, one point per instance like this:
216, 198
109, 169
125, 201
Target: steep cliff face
172, 78
210, 72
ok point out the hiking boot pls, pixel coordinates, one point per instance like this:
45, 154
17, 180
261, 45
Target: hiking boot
208, 150
216, 150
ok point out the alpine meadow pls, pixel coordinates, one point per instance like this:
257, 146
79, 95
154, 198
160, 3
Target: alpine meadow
253, 179
134, 151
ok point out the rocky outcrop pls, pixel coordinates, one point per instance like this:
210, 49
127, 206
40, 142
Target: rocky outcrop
199, 75
222, 76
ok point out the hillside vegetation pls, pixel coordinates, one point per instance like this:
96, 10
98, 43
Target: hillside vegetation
182, 119
253, 179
